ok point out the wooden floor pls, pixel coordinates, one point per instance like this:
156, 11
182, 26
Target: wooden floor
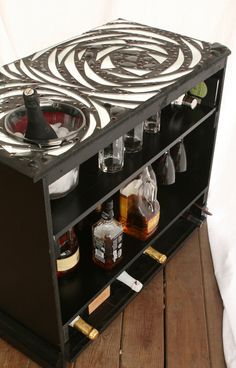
175, 322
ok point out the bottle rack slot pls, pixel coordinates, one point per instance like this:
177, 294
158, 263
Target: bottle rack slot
143, 269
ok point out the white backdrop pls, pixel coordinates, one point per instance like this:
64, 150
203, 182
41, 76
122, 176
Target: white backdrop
27, 26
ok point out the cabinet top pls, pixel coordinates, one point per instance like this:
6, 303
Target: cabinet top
113, 73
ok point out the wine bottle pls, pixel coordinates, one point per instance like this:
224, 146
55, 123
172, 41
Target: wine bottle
130, 281
107, 239
37, 128
89, 331
69, 254
157, 256
185, 100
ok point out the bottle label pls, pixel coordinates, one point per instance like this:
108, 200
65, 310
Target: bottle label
103, 251
66, 264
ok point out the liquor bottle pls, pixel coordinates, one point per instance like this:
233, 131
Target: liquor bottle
139, 207
89, 331
69, 255
107, 239
185, 100
37, 128
130, 281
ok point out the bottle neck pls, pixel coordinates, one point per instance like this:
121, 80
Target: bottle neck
107, 215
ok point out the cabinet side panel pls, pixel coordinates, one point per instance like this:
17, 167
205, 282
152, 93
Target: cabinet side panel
27, 293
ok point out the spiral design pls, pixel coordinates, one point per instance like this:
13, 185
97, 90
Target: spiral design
115, 66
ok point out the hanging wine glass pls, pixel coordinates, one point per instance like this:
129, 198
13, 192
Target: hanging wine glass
165, 169
179, 156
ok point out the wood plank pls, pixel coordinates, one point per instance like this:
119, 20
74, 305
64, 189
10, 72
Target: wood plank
186, 329
213, 302
105, 350
143, 337
11, 358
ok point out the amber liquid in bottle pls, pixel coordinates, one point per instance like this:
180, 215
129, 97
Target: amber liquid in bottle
137, 218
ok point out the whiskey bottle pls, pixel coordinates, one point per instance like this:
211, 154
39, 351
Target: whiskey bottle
69, 255
185, 100
139, 207
107, 239
38, 129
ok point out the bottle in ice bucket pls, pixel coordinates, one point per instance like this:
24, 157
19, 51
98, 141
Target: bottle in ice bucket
37, 128
139, 207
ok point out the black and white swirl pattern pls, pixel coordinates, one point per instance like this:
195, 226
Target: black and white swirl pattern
120, 64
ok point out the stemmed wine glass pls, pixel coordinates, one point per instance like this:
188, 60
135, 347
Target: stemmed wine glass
165, 169
178, 154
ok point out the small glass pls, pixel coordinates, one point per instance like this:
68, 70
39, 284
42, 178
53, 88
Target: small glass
133, 140
111, 158
153, 124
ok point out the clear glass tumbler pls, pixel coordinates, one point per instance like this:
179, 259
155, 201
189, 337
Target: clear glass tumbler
133, 140
111, 158
153, 123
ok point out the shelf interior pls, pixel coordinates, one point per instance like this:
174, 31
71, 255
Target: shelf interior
95, 186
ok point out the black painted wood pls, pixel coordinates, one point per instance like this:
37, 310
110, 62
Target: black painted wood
27, 290
35, 308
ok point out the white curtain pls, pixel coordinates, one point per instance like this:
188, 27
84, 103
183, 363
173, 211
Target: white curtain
27, 26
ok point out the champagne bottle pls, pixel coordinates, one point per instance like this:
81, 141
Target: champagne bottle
86, 329
38, 128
